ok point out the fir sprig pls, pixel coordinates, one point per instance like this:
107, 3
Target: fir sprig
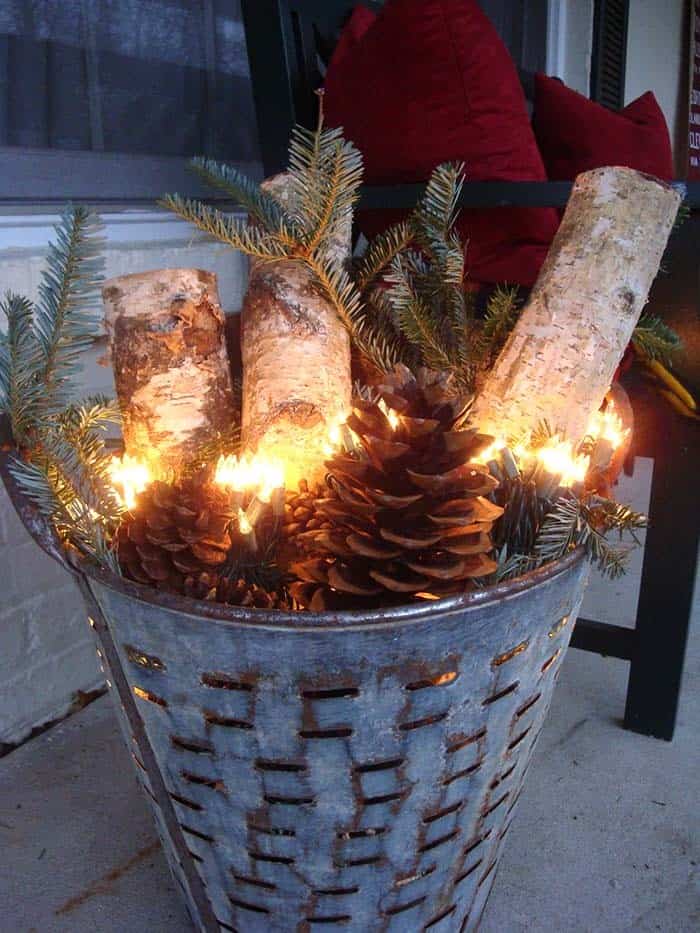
19, 387
262, 206
656, 340
502, 312
416, 317
577, 521
382, 249
64, 319
261, 243
422, 265
65, 470
325, 175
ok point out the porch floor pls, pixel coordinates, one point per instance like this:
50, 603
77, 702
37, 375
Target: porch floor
607, 836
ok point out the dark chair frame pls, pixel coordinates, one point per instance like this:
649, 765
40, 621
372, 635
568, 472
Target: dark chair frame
286, 41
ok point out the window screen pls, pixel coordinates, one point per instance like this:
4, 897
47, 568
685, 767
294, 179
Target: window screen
145, 77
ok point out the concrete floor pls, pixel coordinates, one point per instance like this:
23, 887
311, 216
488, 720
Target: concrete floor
607, 836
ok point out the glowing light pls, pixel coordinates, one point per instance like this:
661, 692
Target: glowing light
244, 525
519, 451
491, 452
562, 458
249, 474
558, 458
335, 436
391, 416
129, 477
607, 425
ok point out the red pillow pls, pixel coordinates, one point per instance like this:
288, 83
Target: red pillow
575, 134
355, 28
432, 82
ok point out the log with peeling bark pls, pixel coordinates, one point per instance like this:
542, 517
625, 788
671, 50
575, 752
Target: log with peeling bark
561, 355
166, 332
296, 361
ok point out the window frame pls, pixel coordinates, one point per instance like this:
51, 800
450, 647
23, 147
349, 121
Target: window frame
53, 176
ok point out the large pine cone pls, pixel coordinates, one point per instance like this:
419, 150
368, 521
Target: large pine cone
408, 515
178, 537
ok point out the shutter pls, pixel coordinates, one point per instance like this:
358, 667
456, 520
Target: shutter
609, 52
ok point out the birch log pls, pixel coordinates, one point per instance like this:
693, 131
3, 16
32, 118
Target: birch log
296, 362
166, 331
561, 356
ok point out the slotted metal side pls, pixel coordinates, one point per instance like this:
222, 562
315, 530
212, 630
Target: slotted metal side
352, 773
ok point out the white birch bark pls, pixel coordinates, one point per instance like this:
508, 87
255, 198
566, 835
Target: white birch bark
561, 355
171, 370
296, 362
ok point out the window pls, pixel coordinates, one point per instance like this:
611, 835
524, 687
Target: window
522, 24
106, 99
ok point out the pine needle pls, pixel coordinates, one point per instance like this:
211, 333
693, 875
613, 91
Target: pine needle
415, 317
573, 522
656, 340
264, 208
502, 312
65, 322
19, 388
380, 253
262, 244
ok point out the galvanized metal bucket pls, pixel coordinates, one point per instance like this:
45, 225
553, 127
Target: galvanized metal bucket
331, 771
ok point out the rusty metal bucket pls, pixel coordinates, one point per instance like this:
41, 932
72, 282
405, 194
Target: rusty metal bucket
331, 771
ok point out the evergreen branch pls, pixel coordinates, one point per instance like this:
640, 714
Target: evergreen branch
456, 307
63, 322
381, 251
655, 339
341, 195
310, 157
73, 517
576, 522
560, 531
383, 322
437, 210
81, 470
336, 284
262, 206
573, 523
93, 413
19, 388
608, 515
262, 244
502, 312
414, 317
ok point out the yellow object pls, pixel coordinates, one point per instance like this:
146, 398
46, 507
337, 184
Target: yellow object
673, 384
558, 458
607, 425
249, 473
129, 477
678, 404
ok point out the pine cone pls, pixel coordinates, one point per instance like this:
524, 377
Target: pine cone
300, 513
408, 515
178, 537
242, 593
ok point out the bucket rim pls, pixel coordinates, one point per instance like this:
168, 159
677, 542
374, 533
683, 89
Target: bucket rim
289, 620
